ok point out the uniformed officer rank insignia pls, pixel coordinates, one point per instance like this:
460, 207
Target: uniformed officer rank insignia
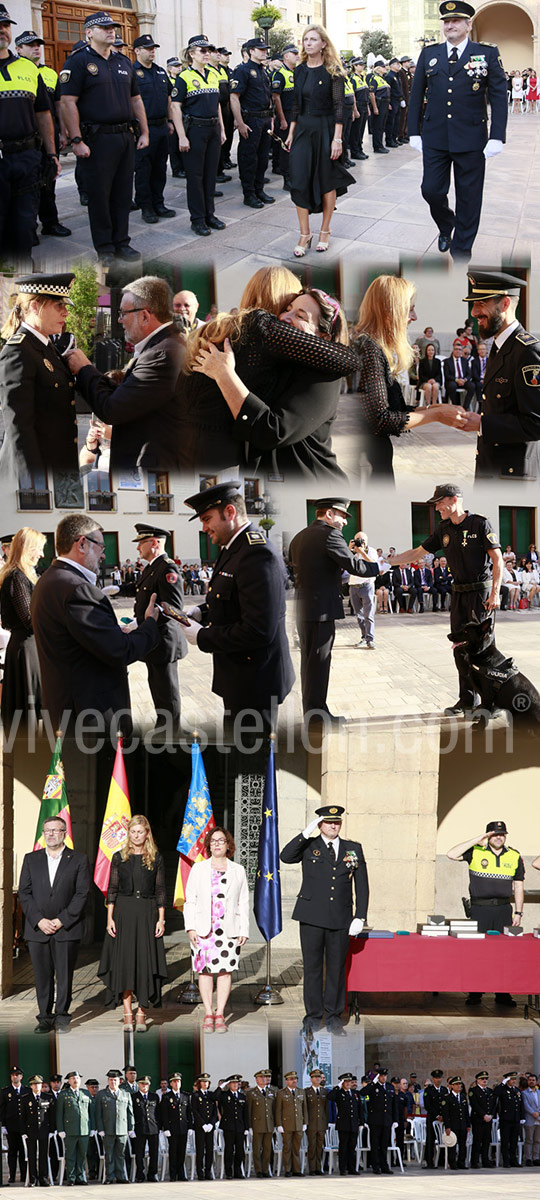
531, 376
475, 87
492, 537
92, 68
526, 339
476, 65
446, 539
65, 76
140, 74
316, 854
484, 864
433, 62
171, 577
48, 364
253, 73
174, 92
234, 83
195, 85
16, 338
255, 538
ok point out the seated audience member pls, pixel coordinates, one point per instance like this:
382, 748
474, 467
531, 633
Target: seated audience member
457, 376
442, 584
430, 375
423, 582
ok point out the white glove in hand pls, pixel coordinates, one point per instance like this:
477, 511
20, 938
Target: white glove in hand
191, 632
110, 590
167, 1132
131, 1133
280, 1128
309, 828
356, 926
304, 1127
194, 614
416, 142
493, 147
402, 104
62, 1133
207, 1128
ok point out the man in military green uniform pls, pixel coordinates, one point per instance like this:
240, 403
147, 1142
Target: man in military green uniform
317, 1109
29, 45
75, 1120
496, 875
291, 1117
261, 1103
114, 1120
38, 1121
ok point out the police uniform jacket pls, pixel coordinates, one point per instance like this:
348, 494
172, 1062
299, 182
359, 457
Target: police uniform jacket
11, 1108
233, 1110
433, 1098
204, 1109
163, 577
66, 899
348, 1110
114, 1112
83, 653
75, 1115
483, 1102
38, 1115
509, 1103
317, 1108
250, 82
146, 1111
491, 876
244, 624
455, 1112
143, 409
467, 547
319, 554
291, 1111
509, 442
261, 1110
326, 896
283, 86
103, 88
175, 1111
457, 97
380, 1103
38, 407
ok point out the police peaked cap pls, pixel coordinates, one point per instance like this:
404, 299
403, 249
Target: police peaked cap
438, 1074
451, 8
51, 287
444, 491
223, 50
490, 285
147, 531
5, 18
337, 502
147, 40
204, 1077
234, 1079
496, 827
291, 49
28, 37
332, 812
455, 1079
199, 39
174, 61
255, 44
7, 539
144, 1079
175, 1075
100, 18
213, 497
119, 41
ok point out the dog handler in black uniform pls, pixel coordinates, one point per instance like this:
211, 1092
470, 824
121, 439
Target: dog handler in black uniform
151, 162
101, 100
472, 548
196, 113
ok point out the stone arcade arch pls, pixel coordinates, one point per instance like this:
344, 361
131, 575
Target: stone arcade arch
513, 28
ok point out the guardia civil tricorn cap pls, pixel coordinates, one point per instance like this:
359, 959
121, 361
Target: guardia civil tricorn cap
452, 8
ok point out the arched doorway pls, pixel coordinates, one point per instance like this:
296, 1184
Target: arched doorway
509, 27
63, 24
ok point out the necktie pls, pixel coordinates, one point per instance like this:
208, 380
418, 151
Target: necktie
453, 57
458, 368
332, 852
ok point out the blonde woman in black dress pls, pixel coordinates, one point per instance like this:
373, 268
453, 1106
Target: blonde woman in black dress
315, 139
21, 689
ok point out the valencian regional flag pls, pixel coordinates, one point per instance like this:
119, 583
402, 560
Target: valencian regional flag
115, 822
198, 819
267, 895
54, 801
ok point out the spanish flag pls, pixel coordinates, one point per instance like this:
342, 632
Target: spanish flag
198, 819
115, 822
54, 801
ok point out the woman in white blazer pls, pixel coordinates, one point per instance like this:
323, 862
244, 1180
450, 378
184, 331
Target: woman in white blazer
216, 916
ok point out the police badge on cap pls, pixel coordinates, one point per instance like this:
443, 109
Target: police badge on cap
100, 18
28, 38
452, 8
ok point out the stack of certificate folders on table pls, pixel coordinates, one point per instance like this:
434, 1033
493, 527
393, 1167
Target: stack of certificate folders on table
439, 927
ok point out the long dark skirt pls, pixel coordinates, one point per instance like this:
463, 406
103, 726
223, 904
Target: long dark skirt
133, 961
311, 170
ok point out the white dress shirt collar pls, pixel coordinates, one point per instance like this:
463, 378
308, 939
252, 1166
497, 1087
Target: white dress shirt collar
237, 534
461, 46
504, 334
139, 346
334, 842
40, 336
88, 574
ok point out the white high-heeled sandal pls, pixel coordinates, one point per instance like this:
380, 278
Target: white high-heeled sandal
322, 247
300, 251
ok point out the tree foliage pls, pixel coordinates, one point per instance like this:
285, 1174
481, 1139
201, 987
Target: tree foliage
378, 43
84, 294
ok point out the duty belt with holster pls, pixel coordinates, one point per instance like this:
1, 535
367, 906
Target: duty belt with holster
189, 121
493, 902
482, 585
33, 142
90, 130
265, 112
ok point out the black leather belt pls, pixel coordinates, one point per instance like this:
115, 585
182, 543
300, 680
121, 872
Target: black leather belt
267, 112
203, 120
157, 121
494, 902
482, 585
15, 147
124, 127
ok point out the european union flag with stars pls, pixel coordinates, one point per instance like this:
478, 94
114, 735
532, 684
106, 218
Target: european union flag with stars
267, 897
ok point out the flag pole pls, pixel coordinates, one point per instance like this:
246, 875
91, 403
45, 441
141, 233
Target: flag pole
190, 994
268, 994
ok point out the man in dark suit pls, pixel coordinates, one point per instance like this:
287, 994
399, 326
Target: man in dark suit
508, 424
53, 890
243, 617
234, 1121
319, 555
175, 1120
83, 653
483, 1106
457, 78
146, 1120
423, 582
456, 1119
38, 1121
442, 584
11, 1119
380, 1103
457, 374
404, 585
143, 409
332, 867
479, 364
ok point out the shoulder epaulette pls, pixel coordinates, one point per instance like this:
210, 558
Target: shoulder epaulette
254, 538
16, 338
527, 339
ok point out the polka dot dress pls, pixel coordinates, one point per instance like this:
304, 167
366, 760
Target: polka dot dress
216, 954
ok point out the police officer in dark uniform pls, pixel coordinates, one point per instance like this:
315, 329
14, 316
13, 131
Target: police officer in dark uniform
55, 1083
251, 103
380, 91
456, 1118
347, 1122
282, 97
205, 1118
511, 1113
393, 79
29, 45
434, 1095
224, 56
459, 78
317, 1106
332, 867
25, 122
175, 1121
318, 555
198, 121
177, 166
151, 162
508, 424
37, 1121
223, 77
483, 1106
11, 1118
379, 1098
472, 548
350, 115
146, 1109
243, 616
234, 1121
101, 100
364, 98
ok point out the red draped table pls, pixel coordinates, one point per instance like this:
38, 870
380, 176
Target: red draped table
426, 964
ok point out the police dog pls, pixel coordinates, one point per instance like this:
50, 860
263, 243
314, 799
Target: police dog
498, 681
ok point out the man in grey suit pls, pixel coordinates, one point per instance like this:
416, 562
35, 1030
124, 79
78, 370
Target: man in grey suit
114, 1120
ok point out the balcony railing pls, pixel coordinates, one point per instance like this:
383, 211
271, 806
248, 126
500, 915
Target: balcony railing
160, 502
102, 501
34, 500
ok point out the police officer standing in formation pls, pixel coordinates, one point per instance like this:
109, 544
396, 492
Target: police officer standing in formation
456, 1118
146, 1107
234, 1121
29, 45
511, 1114
114, 1120
261, 1103
282, 96
496, 875
457, 79
318, 555
397, 103
483, 1106
406, 84
223, 76
11, 1110
151, 161
205, 1118
38, 1121
508, 423
348, 1121
224, 56
251, 103
101, 100
332, 867
380, 91
196, 113
379, 1098
25, 122
365, 102
75, 1119
177, 166
434, 1095
291, 1117
472, 548
317, 1124
175, 1120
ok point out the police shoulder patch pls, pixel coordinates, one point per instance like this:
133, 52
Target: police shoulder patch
92, 68
527, 339
174, 92
254, 538
64, 76
531, 375
234, 83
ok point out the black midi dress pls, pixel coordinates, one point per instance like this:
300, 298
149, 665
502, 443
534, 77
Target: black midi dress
21, 689
318, 108
134, 960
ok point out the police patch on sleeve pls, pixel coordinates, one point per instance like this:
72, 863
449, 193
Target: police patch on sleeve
174, 92
492, 537
65, 76
92, 68
234, 83
531, 375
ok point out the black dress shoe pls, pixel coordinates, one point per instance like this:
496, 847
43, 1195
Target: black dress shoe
459, 710
505, 999
106, 260
348, 162
228, 166
473, 998
83, 199
179, 174
253, 202
149, 216
218, 193
126, 253
56, 230
444, 242
215, 223
201, 228
362, 156
380, 150
134, 207
162, 211
221, 178
266, 199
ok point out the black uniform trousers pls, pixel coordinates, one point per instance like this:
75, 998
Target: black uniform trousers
392, 124
253, 154
346, 135
431, 1142
316, 642
357, 133
177, 1154
378, 123
458, 1153
164, 688
324, 948
201, 167
379, 1136
151, 168
50, 960
140, 1144
234, 1152
509, 1131
15, 1154
177, 162
464, 606
228, 125
347, 1139
204, 1152
481, 1141
469, 171
37, 1147
19, 202
48, 212
107, 179
78, 178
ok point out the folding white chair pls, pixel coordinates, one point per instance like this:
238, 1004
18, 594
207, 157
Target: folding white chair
418, 1131
438, 1129
219, 1153
190, 1154
495, 1143
247, 1165
303, 1153
394, 1150
363, 1146
163, 1157
330, 1149
277, 1153
25, 1148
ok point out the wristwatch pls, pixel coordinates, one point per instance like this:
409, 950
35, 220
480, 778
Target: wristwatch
76, 140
